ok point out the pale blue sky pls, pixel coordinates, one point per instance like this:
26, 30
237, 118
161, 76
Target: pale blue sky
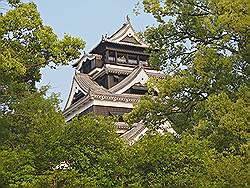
89, 20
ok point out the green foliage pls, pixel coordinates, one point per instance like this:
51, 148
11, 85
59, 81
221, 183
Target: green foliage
199, 44
37, 140
185, 26
28, 143
17, 168
94, 150
207, 104
164, 161
204, 46
27, 45
229, 121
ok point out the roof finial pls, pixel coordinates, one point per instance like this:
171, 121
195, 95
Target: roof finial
104, 37
127, 19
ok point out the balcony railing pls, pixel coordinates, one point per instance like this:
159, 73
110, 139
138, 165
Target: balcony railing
145, 63
132, 61
121, 60
111, 59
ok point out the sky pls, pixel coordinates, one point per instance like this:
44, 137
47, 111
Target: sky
89, 20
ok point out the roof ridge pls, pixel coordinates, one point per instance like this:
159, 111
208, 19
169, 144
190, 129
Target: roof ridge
123, 26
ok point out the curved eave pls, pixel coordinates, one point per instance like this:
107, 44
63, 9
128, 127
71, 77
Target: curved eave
128, 98
128, 44
125, 81
87, 84
139, 74
75, 87
83, 59
67, 103
92, 96
106, 44
77, 105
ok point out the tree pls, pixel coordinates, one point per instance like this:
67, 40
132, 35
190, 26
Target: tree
94, 150
204, 46
205, 98
26, 46
164, 161
29, 139
37, 140
29, 123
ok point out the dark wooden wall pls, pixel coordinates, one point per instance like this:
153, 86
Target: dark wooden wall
106, 110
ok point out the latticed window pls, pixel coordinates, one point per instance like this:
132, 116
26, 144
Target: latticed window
143, 60
111, 56
132, 59
121, 58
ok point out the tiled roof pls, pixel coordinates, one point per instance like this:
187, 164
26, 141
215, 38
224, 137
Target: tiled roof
88, 85
122, 125
135, 133
131, 98
126, 30
118, 37
132, 134
77, 105
99, 92
127, 71
125, 81
95, 91
83, 59
106, 70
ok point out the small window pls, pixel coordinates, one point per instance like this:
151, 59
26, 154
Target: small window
132, 59
143, 60
121, 58
111, 56
77, 96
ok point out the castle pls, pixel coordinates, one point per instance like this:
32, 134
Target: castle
111, 78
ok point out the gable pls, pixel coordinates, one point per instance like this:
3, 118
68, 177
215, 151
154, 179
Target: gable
126, 34
138, 76
130, 39
137, 89
75, 94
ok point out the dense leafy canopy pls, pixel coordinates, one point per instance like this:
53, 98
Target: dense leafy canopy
204, 48
204, 45
26, 46
37, 142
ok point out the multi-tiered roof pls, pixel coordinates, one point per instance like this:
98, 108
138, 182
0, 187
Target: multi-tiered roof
111, 78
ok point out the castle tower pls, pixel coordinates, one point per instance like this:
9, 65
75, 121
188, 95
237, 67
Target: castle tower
111, 78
